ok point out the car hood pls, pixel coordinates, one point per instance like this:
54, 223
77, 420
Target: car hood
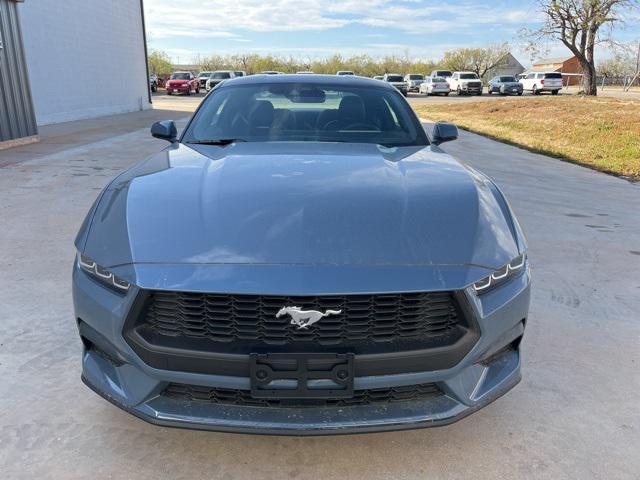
511, 84
301, 204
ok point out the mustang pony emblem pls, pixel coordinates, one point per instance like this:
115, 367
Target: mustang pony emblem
304, 318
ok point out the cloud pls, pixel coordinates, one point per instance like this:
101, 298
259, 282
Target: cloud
220, 18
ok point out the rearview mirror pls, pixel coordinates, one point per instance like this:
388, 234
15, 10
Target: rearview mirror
165, 130
444, 132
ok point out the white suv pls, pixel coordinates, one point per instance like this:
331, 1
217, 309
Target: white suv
465, 83
537, 82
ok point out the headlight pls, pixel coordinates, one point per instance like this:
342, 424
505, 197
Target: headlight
501, 276
102, 275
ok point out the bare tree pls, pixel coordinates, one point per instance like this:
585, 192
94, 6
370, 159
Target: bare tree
479, 60
577, 24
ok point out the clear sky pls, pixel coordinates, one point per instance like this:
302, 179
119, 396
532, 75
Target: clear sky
317, 28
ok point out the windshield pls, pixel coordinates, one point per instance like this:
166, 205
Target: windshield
443, 73
508, 79
416, 77
179, 76
395, 78
204, 75
220, 75
468, 76
306, 112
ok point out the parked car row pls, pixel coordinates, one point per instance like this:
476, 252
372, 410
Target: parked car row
440, 82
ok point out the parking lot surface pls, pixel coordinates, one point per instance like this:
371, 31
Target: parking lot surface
574, 415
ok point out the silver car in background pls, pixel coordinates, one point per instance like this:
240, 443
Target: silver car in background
397, 81
218, 77
434, 86
414, 80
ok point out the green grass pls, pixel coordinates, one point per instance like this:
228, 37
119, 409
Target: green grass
600, 133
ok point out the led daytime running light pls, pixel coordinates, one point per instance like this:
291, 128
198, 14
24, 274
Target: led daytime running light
497, 277
102, 274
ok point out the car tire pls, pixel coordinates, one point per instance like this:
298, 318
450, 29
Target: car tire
198, 89
554, 92
169, 92
458, 91
479, 93
446, 94
534, 90
519, 94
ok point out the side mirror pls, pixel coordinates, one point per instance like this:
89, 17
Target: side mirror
444, 132
165, 130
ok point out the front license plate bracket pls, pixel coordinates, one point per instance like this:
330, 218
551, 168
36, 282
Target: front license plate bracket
301, 375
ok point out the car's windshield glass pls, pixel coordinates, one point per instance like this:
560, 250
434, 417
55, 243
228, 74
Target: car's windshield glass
437, 79
394, 78
204, 74
306, 112
416, 77
180, 76
219, 75
443, 73
468, 76
507, 79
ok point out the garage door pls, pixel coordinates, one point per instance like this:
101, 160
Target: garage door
17, 118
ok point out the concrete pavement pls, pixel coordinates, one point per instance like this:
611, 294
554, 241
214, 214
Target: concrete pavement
575, 414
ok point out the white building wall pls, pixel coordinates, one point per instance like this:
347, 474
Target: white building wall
85, 58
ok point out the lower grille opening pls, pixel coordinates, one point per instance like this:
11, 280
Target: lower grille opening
374, 396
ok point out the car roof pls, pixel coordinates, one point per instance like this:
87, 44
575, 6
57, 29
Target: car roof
305, 78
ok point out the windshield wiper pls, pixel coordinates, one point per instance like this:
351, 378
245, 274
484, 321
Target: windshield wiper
219, 141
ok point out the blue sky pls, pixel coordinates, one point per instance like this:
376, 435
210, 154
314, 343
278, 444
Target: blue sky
317, 28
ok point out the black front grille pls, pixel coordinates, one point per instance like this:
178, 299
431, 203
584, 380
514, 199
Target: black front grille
375, 396
420, 318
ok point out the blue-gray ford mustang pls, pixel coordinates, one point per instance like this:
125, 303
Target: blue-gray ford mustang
302, 260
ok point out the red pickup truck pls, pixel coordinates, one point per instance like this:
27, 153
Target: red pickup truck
182, 82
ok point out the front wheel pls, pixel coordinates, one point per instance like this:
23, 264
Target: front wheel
554, 92
198, 89
169, 92
446, 94
519, 94
534, 90
458, 91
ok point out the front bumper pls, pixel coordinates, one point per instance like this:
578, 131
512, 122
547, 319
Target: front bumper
470, 88
511, 90
179, 88
113, 370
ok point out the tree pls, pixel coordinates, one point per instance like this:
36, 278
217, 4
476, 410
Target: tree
479, 60
578, 24
623, 61
159, 63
